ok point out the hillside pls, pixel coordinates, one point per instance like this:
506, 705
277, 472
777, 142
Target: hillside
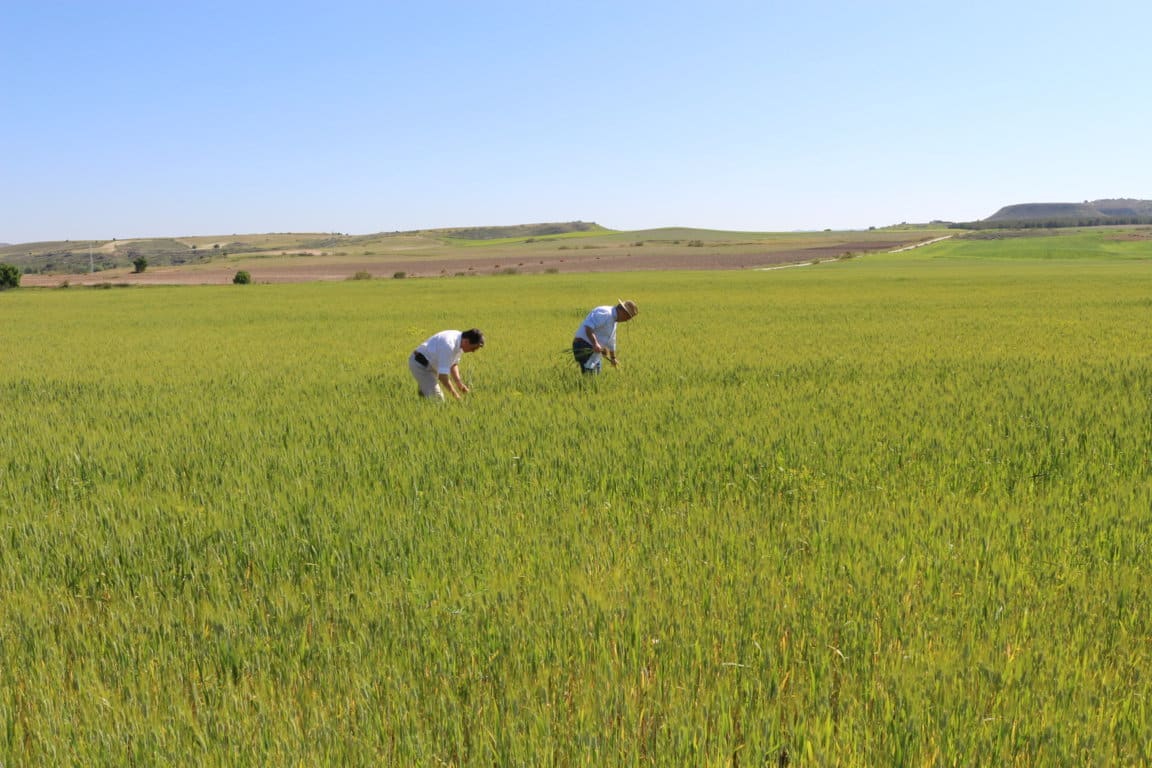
82, 257
458, 252
1086, 214
520, 230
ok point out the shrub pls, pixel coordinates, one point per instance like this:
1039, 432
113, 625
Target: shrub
9, 277
399, 275
139, 264
242, 278
361, 276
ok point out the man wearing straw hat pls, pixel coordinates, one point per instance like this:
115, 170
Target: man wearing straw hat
596, 337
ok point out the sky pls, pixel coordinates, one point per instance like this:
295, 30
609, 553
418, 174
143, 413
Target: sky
124, 119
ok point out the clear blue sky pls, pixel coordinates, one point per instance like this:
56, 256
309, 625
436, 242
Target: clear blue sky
132, 119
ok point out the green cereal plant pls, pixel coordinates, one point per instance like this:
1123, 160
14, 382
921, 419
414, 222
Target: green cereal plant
889, 511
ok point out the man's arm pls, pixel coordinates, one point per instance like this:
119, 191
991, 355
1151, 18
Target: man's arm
459, 382
591, 334
596, 345
446, 383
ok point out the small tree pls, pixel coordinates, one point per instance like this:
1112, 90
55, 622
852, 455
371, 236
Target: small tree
9, 277
140, 263
242, 278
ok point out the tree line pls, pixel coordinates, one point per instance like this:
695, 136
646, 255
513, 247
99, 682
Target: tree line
1052, 223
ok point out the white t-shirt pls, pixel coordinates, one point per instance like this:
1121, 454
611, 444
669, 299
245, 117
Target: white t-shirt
442, 350
602, 321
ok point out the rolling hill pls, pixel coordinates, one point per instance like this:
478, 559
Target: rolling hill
470, 251
79, 257
1089, 213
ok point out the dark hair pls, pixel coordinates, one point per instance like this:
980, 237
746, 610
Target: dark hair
475, 336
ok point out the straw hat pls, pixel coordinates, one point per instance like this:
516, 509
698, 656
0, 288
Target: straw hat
629, 307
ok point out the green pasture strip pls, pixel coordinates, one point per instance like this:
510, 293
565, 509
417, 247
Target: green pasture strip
1099, 244
887, 511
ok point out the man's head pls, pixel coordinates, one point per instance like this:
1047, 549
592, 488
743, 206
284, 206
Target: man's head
626, 310
471, 340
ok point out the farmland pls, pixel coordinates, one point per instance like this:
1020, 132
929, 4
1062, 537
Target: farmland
482, 251
893, 510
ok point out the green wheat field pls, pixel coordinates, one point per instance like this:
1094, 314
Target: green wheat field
887, 511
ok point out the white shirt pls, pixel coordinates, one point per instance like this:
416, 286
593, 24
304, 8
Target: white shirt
443, 350
602, 321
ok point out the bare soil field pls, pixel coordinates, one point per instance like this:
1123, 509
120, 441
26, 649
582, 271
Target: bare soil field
479, 261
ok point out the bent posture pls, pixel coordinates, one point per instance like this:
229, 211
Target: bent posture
596, 337
436, 362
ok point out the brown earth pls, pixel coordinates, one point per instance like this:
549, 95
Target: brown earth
331, 268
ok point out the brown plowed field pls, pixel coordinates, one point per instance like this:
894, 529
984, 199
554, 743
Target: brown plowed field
616, 259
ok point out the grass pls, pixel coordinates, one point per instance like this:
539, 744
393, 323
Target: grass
890, 511
1108, 244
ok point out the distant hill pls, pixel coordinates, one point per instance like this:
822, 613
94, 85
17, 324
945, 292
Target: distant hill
1086, 214
79, 257
519, 230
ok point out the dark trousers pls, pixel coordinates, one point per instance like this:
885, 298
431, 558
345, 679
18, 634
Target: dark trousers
582, 351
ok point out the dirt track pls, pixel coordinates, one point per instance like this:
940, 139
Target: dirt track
300, 270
